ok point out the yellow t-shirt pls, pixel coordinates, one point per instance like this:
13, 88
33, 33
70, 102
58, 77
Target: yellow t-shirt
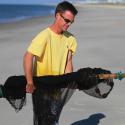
50, 50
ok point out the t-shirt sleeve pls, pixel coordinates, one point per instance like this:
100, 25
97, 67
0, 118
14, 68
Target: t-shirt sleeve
72, 45
38, 45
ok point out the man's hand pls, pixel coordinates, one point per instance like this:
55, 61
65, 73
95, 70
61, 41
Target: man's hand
30, 88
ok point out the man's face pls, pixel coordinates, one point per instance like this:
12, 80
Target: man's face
65, 20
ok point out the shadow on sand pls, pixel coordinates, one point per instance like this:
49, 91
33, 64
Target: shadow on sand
92, 120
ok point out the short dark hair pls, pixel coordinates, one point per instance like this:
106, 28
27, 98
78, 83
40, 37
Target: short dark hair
65, 5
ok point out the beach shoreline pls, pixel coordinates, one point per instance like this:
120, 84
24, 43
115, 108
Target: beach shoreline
29, 21
78, 4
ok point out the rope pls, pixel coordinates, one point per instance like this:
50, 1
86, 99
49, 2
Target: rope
119, 75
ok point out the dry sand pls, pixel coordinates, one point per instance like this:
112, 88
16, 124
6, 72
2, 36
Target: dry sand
100, 31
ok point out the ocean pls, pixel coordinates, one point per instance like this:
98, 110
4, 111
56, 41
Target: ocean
14, 13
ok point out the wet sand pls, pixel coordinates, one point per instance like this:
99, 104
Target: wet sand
100, 32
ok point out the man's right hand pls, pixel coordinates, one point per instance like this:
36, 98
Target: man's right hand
30, 88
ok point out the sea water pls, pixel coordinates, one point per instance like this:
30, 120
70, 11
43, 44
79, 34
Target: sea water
14, 13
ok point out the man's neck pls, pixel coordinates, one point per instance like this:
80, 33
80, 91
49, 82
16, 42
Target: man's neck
56, 29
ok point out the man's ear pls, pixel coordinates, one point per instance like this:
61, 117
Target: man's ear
57, 15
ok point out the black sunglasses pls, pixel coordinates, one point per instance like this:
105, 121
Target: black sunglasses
66, 20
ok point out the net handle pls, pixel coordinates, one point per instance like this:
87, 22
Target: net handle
118, 75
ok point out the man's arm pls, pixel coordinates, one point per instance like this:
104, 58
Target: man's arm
69, 65
28, 68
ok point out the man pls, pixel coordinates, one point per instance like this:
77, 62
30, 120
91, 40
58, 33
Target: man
52, 50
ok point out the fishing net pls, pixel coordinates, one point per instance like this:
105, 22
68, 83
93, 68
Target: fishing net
53, 92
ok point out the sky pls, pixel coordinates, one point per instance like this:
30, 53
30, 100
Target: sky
29, 1
42, 1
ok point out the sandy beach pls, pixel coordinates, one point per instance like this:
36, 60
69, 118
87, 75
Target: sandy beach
100, 32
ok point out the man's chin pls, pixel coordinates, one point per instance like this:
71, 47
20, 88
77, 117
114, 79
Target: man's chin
65, 29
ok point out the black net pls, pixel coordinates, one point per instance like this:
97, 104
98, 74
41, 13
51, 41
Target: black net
47, 104
52, 92
14, 91
101, 90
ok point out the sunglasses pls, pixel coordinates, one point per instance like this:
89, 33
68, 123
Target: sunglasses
66, 20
